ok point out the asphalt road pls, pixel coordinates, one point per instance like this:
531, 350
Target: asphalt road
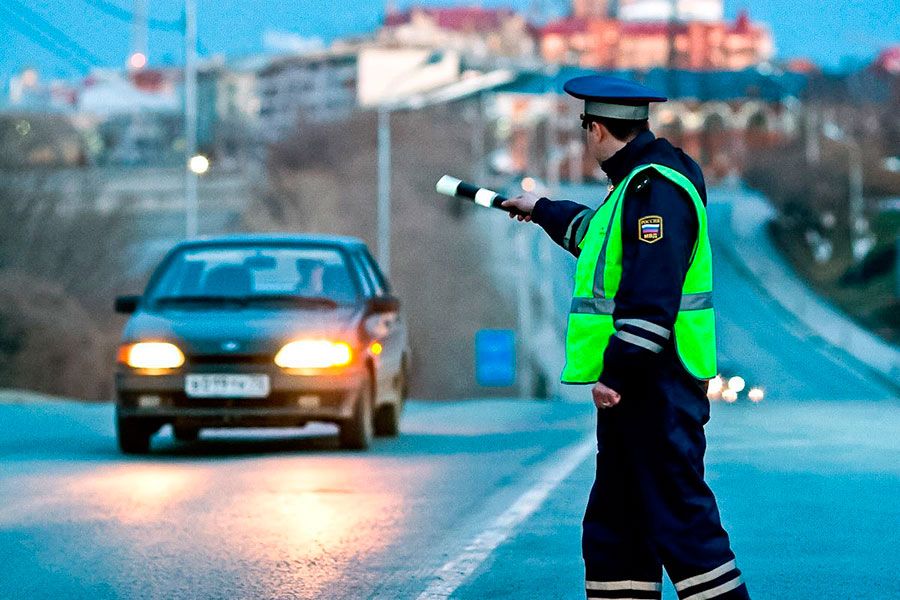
476, 499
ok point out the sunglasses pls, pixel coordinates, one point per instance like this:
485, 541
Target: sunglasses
586, 121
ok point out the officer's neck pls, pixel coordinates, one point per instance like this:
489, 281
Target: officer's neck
620, 164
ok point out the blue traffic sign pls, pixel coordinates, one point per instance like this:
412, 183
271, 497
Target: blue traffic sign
495, 357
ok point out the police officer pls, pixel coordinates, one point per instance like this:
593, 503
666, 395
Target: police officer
641, 331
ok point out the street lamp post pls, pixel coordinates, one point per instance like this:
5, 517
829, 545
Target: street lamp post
384, 188
191, 208
385, 107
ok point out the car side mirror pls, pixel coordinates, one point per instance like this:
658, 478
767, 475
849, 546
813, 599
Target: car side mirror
384, 304
127, 304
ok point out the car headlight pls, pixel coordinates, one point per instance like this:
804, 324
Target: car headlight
314, 354
151, 355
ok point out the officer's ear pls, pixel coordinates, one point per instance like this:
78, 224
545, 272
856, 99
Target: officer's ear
598, 131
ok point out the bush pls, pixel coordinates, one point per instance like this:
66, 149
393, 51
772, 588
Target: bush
59, 267
48, 342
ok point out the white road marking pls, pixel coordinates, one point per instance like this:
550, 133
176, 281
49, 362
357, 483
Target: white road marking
454, 573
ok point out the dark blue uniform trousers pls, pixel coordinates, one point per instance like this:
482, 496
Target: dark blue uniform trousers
649, 506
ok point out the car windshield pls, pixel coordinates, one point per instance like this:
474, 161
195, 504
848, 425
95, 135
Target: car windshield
296, 275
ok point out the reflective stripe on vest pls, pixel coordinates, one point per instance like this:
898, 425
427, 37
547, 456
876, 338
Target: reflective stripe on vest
598, 273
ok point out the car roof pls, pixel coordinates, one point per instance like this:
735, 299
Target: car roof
324, 239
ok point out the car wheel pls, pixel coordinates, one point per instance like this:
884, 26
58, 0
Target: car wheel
404, 382
387, 420
186, 434
356, 433
133, 435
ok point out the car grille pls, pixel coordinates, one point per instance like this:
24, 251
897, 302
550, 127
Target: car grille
230, 359
275, 400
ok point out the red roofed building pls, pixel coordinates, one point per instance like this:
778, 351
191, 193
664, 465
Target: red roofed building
615, 44
469, 29
889, 60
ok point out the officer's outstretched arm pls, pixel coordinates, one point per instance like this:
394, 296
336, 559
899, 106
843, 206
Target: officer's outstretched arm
659, 228
564, 221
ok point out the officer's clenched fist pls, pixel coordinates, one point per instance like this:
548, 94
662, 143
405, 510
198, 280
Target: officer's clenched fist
524, 203
605, 397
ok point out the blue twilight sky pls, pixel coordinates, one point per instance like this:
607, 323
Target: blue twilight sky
829, 31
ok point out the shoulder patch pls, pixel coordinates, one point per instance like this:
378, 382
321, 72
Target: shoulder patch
650, 228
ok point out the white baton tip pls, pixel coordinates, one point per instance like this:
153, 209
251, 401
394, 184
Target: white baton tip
447, 185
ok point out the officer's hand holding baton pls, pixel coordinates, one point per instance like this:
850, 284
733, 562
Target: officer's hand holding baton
451, 186
523, 204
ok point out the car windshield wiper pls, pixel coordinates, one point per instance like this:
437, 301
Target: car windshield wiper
201, 300
319, 301
322, 301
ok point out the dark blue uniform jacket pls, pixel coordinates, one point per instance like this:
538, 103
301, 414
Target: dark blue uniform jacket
652, 273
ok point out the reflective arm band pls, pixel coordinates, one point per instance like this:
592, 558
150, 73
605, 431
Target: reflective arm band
582, 228
646, 326
698, 301
575, 225
639, 341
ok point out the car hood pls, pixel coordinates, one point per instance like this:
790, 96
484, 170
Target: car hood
240, 331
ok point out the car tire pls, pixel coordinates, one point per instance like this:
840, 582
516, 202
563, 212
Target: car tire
357, 432
387, 420
133, 436
404, 382
186, 434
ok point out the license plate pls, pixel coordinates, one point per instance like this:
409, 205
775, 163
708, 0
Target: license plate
229, 386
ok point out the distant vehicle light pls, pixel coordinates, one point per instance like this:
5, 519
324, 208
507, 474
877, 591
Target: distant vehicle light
151, 355
715, 386
729, 395
313, 354
756, 394
376, 348
198, 164
737, 383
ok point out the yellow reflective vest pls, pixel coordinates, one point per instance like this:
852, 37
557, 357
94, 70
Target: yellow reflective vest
597, 277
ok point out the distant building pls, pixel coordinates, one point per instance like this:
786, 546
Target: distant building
470, 30
28, 92
699, 44
709, 11
590, 9
237, 107
888, 60
716, 116
388, 74
318, 86
108, 92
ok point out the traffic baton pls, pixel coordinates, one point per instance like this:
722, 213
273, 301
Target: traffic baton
451, 186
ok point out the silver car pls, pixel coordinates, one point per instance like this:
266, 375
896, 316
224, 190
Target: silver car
262, 331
